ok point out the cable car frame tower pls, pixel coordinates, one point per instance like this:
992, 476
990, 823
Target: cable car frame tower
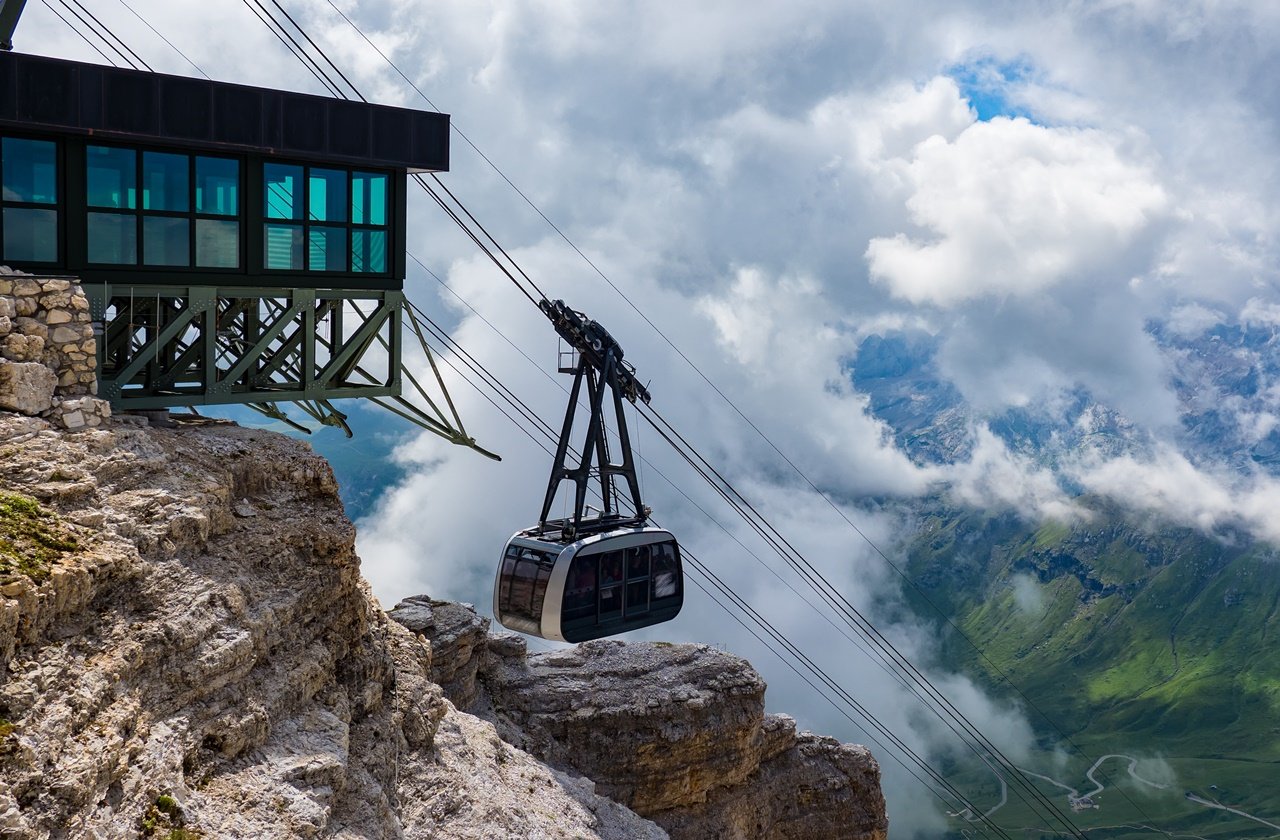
601, 366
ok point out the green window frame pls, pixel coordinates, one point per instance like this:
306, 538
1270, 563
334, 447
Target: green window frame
163, 209
325, 219
30, 220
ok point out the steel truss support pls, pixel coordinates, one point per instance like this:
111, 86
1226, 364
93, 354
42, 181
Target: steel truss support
171, 346
595, 460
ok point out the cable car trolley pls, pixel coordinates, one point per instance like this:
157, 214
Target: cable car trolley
587, 576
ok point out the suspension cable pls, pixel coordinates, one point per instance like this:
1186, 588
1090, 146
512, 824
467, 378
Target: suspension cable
83, 37
147, 24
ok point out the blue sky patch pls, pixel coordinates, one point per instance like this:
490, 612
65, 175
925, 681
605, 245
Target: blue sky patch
988, 83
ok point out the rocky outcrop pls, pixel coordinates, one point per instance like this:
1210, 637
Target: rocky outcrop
205, 655
194, 650
458, 641
678, 733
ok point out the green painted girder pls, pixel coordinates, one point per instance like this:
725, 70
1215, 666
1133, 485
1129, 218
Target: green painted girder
178, 346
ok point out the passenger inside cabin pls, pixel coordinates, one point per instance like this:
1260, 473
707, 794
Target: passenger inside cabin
611, 568
637, 562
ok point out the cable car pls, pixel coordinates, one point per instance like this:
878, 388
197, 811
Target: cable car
596, 586
584, 577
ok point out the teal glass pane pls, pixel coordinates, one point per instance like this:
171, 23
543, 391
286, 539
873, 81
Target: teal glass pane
30, 170
368, 198
282, 246
166, 182
217, 244
282, 191
327, 195
217, 186
166, 241
327, 249
30, 235
113, 238
369, 250
112, 177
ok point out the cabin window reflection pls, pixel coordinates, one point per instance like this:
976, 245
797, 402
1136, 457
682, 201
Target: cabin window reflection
217, 243
324, 219
166, 182
113, 239
328, 196
666, 572
217, 186
112, 176
30, 171
30, 176
637, 580
523, 589
611, 566
162, 208
166, 241
580, 590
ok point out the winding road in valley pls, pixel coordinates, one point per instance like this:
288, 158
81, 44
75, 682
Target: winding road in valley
1133, 762
1075, 799
1209, 803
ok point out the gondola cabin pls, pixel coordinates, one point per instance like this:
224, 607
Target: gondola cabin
600, 585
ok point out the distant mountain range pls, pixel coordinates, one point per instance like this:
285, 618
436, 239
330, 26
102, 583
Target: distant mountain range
1134, 639
1226, 380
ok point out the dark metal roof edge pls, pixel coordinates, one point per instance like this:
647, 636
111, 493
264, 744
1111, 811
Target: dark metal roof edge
272, 135
154, 75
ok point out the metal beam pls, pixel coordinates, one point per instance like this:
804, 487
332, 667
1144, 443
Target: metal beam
172, 346
10, 11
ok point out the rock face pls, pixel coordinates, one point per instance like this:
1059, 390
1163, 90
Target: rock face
677, 733
26, 387
200, 652
458, 641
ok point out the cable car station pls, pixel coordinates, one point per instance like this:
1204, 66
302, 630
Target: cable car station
237, 244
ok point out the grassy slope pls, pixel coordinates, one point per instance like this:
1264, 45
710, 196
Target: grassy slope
1147, 644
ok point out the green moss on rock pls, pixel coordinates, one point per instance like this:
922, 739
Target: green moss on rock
31, 538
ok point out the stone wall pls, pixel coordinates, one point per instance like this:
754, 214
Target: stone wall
48, 354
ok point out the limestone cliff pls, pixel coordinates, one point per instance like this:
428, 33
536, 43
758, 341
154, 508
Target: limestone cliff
678, 733
187, 649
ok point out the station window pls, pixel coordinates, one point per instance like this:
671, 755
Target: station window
324, 219
162, 208
28, 204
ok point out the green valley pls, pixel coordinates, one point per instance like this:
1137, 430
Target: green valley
1123, 639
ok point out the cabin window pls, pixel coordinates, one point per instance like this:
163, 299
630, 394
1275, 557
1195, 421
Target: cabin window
611, 580
162, 208
580, 590
523, 587
666, 573
29, 217
324, 219
637, 580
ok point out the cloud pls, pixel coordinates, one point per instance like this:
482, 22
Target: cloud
1168, 485
1012, 209
996, 478
1261, 313
1192, 319
1028, 597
